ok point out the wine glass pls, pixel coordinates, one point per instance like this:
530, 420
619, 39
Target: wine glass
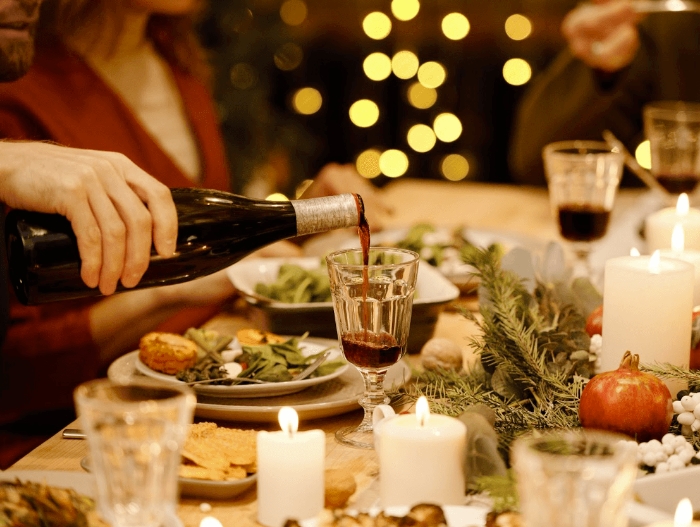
372, 306
582, 177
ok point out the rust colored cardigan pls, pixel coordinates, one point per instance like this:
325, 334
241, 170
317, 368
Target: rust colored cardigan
48, 349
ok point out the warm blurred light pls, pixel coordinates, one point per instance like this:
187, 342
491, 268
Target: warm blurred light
518, 27
421, 138
293, 12
364, 113
447, 127
405, 9
277, 196
302, 187
210, 521
307, 101
377, 66
377, 25
393, 163
643, 154
367, 163
288, 56
431, 74
454, 167
420, 96
243, 76
404, 64
455, 26
516, 72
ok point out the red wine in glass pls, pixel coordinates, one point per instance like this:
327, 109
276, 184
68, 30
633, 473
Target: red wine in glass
371, 350
583, 223
678, 183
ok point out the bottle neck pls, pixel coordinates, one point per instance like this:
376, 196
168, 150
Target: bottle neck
327, 213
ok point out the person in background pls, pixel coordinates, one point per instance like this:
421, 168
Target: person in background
616, 61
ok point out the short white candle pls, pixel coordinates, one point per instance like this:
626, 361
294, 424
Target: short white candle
683, 516
659, 225
290, 472
647, 309
421, 459
693, 257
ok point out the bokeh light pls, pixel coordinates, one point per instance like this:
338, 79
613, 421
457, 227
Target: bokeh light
364, 113
517, 72
518, 27
307, 101
288, 56
431, 74
293, 12
404, 64
393, 163
421, 97
277, 196
377, 66
302, 187
421, 138
455, 26
377, 25
643, 154
447, 127
405, 9
367, 163
243, 76
454, 167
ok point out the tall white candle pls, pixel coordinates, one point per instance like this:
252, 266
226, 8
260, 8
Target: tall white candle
658, 227
647, 309
679, 252
421, 458
290, 472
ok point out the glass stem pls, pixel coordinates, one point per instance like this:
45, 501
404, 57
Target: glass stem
373, 396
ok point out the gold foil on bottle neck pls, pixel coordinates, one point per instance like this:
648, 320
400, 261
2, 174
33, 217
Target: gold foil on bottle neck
325, 214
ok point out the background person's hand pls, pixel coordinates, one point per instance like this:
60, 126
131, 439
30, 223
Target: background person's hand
116, 210
603, 34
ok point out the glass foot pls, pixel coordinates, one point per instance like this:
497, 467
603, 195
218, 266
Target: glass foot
355, 436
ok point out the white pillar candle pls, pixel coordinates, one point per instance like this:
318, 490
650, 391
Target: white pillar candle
290, 472
647, 309
679, 252
421, 458
683, 516
658, 227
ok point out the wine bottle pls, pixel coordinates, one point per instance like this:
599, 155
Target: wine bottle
215, 230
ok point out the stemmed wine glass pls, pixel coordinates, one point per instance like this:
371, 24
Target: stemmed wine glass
372, 305
582, 178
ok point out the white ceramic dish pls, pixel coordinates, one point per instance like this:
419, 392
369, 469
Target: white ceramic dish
335, 397
433, 293
456, 515
308, 347
664, 491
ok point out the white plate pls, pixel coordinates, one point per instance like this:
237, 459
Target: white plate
335, 397
456, 515
308, 347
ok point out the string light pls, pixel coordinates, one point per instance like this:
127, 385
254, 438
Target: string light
421, 97
293, 12
404, 64
377, 66
288, 56
364, 113
447, 127
367, 163
393, 163
518, 27
454, 167
455, 26
517, 72
307, 101
431, 74
643, 154
421, 138
377, 25
405, 9
277, 196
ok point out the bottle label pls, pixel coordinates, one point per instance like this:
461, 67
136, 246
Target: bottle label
325, 214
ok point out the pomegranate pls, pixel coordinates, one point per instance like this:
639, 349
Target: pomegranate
594, 322
627, 401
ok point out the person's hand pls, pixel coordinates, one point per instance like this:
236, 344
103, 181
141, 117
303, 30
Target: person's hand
205, 291
603, 34
116, 210
340, 179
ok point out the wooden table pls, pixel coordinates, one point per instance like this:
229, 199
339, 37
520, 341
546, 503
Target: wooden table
518, 209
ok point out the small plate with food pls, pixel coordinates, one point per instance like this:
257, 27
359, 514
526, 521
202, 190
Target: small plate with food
253, 364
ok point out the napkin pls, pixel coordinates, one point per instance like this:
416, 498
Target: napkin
482, 457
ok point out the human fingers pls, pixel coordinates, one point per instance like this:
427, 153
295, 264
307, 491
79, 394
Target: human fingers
617, 50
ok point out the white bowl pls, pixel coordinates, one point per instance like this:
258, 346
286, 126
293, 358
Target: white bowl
433, 293
664, 491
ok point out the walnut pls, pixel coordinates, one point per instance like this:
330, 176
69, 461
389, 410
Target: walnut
441, 353
340, 485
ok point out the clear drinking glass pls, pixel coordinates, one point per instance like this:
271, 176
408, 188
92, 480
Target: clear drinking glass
673, 131
372, 306
574, 478
135, 434
582, 178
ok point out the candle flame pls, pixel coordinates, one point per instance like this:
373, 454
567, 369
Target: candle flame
289, 420
635, 252
210, 521
684, 514
422, 410
655, 263
683, 205
678, 239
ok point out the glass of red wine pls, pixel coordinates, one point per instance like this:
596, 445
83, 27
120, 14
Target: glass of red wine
673, 131
582, 178
372, 304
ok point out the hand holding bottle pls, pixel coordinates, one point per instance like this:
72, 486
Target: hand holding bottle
116, 210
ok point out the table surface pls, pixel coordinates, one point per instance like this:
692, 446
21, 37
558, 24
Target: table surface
523, 210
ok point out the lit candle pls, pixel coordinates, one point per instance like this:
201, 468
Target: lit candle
290, 472
647, 309
683, 516
659, 226
421, 458
678, 251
